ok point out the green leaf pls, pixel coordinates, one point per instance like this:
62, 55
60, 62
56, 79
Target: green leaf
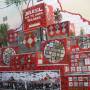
16, 2
3, 34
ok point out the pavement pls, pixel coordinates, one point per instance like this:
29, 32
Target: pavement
34, 89
6, 89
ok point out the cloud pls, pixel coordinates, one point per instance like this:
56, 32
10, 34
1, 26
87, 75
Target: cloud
14, 19
77, 6
77, 20
73, 11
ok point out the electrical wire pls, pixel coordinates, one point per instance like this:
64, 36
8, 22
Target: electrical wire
22, 21
6, 6
9, 6
60, 5
28, 5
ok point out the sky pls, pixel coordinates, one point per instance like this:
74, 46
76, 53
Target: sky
75, 6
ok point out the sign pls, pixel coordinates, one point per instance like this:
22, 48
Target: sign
54, 51
64, 28
32, 80
37, 16
84, 41
87, 61
6, 54
12, 36
78, 81
30, 40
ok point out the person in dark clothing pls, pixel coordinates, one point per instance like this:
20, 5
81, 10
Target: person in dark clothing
12, 83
